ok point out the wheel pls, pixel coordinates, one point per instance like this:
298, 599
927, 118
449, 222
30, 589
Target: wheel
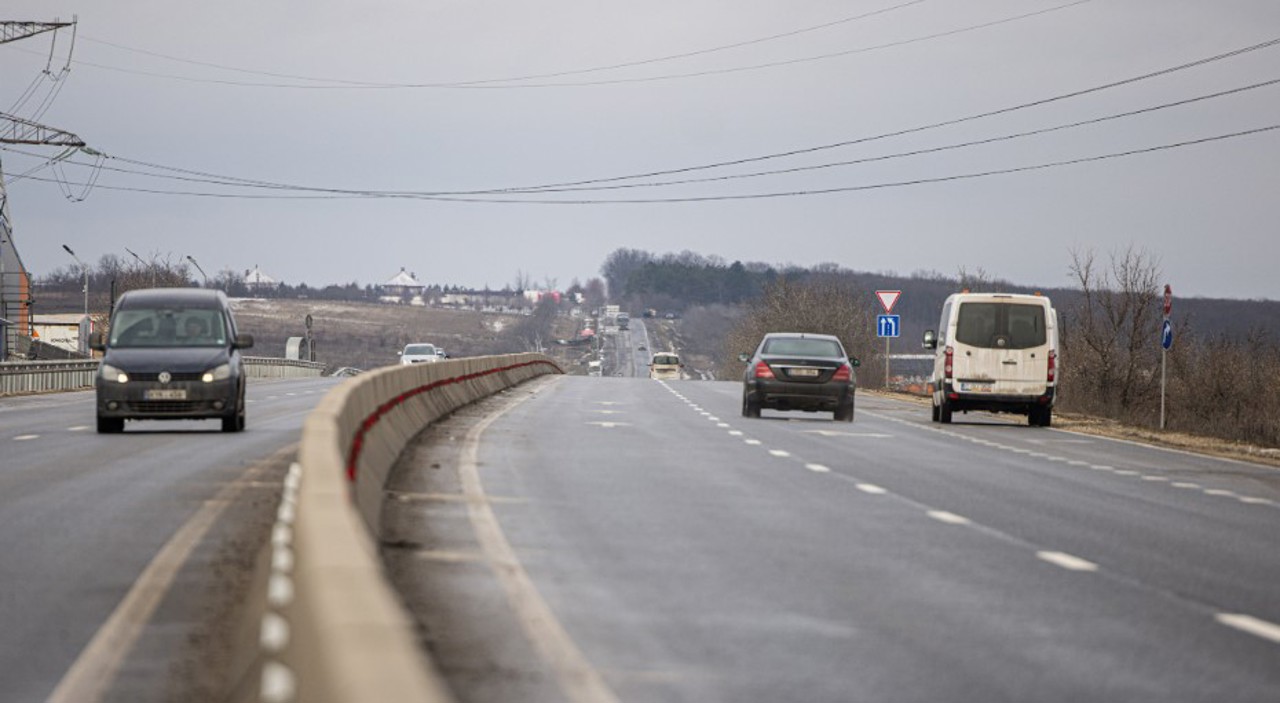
110, 425
234, 423
933, 411
1040, 417
944, 412
749, 408
844, 413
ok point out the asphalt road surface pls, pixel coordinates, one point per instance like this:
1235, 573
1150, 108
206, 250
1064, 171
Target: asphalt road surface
616, 539
83, 517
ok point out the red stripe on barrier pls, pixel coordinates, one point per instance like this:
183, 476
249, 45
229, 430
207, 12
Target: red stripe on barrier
357, 442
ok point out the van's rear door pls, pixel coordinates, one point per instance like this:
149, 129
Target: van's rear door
1002, 347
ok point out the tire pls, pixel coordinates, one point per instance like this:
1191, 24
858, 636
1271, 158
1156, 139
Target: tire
749, 409
944, 413
110, 425
235, 423
1040, 417
844, 413
934, 412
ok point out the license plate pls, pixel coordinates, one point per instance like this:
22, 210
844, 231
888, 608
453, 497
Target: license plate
803, 372
977, 386
166, 394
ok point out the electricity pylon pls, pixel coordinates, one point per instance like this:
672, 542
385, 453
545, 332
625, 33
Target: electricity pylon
14, 30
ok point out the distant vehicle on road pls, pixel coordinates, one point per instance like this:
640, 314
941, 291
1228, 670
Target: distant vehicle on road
440, 352
799, 371
666, 366
624, 321
172, 354
419, 354
995, 352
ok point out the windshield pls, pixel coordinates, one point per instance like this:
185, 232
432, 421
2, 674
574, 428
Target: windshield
1001, 325
796, 346
420, 350
666, 360
168, 327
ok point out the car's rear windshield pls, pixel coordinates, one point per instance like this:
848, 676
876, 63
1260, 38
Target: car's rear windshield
420, 350
168, 327
798, 346
1001, 325
666, 360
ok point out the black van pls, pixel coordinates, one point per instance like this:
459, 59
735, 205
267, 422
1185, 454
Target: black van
172, 354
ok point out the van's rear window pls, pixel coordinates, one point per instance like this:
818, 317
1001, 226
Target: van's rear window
1001, 325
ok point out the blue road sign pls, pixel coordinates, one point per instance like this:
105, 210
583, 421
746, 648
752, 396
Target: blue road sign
888, 325
1166, 335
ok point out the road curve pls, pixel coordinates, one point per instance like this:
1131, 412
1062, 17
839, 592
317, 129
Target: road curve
689, 554
82, 515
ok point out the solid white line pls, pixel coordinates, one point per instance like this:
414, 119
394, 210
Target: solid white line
1067, 561
817, 468
871, 488
780, 452
1254, 626
949, 518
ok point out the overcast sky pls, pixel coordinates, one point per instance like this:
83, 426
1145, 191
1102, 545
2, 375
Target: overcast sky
150, 82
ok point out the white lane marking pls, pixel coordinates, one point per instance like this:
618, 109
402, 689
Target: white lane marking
278, 683
1154, 478
1185, 484
714, 418
1254, 626
578, 680
1077, 462
26, 437
607, 402
1067, 561
1221, 492
609, 412
735, 433
781, 453
1255, 501
949, 518
817, 468
723, 425
610, 425
79, 428
752, 442
871, 488
1101, 467
834, 433
1127, 472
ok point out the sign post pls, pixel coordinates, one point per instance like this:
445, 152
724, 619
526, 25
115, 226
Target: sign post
888, 325
1166, 342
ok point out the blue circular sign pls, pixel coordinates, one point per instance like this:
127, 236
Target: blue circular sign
1166, 335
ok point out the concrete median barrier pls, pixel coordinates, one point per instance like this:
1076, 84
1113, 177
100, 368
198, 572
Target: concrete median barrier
334, 629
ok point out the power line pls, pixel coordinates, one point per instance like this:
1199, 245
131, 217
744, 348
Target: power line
710, 198
512, 82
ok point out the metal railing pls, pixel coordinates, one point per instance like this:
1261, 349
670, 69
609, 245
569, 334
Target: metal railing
50, 376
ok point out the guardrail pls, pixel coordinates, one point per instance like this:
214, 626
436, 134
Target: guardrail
334, 629
51, 376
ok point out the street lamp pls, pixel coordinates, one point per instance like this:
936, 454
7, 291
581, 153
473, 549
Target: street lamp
193, 261
85, 269
143, 263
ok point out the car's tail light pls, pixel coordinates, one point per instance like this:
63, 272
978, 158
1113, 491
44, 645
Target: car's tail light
1053, 365
844, 373
762, 370
947, 365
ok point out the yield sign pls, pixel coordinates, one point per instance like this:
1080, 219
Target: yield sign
888, 298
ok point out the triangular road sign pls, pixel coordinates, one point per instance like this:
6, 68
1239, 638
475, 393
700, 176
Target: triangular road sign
888, 298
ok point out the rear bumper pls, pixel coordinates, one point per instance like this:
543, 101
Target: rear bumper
1022, 404
783, 395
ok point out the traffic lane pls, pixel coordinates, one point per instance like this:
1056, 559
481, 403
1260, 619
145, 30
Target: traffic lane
82, 514
1211, 546
692, 565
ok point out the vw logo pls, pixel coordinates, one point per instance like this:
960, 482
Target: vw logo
165, 377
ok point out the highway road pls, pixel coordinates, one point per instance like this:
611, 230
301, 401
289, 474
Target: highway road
618, 539
141, 540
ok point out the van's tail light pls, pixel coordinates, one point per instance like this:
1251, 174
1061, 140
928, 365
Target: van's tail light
1053, 365
844, 373
762, 370
947, 365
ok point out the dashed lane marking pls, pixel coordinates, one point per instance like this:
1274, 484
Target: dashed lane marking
817, 468
79, 428
26, 437
949, 518
781, 453
752, 442
1067, 561
1254, 626
871, 488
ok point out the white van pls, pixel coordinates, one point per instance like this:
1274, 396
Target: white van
995, 352
666, 366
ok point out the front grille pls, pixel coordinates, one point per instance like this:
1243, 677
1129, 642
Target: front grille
161, 407
155, 377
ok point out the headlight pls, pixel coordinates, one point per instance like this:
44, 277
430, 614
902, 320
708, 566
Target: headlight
217, 373
111, 373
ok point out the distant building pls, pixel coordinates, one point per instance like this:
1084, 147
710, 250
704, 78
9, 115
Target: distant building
402, 285
256, 280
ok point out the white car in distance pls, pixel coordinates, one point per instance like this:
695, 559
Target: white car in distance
419, 354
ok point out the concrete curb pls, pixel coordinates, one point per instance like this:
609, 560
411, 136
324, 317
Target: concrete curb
335, 631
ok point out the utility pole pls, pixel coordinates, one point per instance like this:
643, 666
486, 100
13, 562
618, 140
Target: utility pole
16, 130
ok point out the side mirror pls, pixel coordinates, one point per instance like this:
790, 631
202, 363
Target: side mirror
242, 341
855, 362
930, 340
96, 342
743, 357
